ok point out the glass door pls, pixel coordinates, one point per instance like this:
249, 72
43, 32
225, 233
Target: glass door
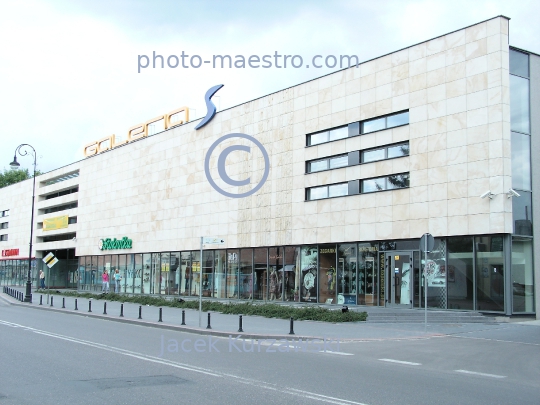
398, 275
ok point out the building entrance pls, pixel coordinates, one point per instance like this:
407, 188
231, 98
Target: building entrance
398, 275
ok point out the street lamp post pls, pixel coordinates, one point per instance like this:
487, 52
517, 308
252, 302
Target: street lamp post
14, 165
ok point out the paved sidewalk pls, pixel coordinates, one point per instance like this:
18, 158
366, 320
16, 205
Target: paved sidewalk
253, 326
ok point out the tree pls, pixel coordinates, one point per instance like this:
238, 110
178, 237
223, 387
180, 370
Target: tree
10, 177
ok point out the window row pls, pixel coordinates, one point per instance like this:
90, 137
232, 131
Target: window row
358, 157
392, 182
3, 238
59, 208
63, 192
4, 225
4, 213
359, 128
60, 178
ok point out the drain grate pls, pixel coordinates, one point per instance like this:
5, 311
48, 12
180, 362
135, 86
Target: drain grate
129, 382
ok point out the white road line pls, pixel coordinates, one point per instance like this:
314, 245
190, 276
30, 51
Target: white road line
159, 360
410, 363
482, 374
338, 353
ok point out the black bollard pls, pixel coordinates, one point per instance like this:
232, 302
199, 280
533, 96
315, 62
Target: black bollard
121, 310
292, 327
76, 309
104, 308
183, 317
89, 306
240, 324
140, 312
52, 298
63, 302
41, 300
160, 315
208, 327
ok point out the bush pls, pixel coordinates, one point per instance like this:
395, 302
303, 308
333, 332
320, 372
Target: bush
301, 313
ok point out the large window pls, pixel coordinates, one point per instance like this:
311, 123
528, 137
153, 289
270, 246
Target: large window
378, 124
388, 152
4, 225
489, 273
392, 182
334, 190
460, 273
332, 162
327, 136
522, 276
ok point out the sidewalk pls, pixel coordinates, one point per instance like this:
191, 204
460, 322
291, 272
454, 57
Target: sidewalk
255, 327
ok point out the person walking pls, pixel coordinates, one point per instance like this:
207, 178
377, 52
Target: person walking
117, 278
105, 284
42, 279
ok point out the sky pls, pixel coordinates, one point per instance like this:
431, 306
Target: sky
69, 68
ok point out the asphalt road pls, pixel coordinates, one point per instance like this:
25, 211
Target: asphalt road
56, 358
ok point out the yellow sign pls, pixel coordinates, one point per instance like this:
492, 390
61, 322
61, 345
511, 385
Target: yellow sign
52, 224
136, 132
396, 257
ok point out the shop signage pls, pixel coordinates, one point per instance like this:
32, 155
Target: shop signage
327, 250
135, 132
10, 252
52, 224
112, 244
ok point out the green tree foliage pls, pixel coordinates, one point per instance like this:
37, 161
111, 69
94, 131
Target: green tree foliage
10, 177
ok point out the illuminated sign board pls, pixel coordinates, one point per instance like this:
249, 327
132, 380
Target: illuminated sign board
139, 131
10, 252
112, 244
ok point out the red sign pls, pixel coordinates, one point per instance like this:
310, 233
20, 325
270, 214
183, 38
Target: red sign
10, 252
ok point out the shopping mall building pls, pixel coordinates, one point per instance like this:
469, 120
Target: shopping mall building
320, 194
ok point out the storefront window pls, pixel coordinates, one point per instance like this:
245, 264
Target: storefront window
367, 274
436, 275
246, 276
174, 274
220, 274
185, 260
232, 273
327, 274
122, 260
139, 271
308, 274
207, 275
489, 273
522, 213
196, 273
130, 274
346, 274
291, 275
260, 274
460, 273
165, 267
522, 276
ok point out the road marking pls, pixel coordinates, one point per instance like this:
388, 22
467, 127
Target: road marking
482, 374
409, 363
338, 353
188, 367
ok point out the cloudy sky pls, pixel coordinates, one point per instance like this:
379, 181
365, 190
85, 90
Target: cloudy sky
69, 68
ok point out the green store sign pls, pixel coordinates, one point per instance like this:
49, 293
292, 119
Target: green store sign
111, 244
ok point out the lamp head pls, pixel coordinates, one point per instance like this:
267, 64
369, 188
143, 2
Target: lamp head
14, 165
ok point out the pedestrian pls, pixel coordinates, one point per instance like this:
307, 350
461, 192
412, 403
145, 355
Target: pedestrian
105, 284
117, 278
42, 279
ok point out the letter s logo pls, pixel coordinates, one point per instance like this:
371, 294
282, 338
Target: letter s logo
211, 108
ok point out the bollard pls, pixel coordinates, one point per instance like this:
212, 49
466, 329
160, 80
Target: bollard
89, 306
208, 327
104, 308
240, 324
121, 310
76, 309
52, 301
183, 317
140, 312
63, 302
292, 327
41, 300
160, 315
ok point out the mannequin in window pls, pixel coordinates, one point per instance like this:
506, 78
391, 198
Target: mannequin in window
274, 284
331, 273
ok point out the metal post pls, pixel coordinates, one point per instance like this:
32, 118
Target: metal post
208, 327
140, 312
52, 298
160, 315
291, 332
183, 317
121, 310
200, 289
104, 308
240, 324
76, 309
89, 306
63, 302
48, 283
41, 300
425, 284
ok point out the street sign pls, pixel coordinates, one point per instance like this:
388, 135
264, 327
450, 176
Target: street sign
50, 260
211, 240
430, 242
48, 257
